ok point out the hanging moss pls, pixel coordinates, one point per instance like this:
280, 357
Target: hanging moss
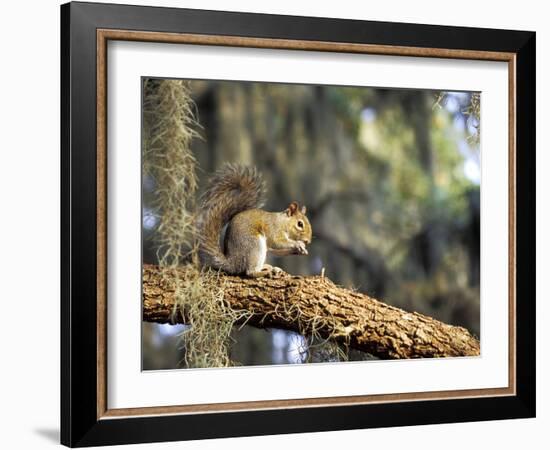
169, 126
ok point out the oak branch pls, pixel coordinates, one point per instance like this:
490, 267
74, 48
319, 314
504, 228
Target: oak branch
315, 304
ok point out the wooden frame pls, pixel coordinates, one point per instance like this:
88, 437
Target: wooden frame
86, 419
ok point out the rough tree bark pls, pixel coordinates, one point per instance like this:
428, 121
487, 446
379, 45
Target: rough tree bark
314, 303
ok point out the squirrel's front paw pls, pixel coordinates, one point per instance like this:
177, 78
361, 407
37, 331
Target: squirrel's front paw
301, 248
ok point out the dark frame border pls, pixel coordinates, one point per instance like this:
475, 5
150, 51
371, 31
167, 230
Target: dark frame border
80, 425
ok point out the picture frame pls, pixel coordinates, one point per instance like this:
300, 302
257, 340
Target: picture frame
86, 29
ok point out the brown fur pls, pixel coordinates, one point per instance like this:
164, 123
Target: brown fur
232, 189
234, 197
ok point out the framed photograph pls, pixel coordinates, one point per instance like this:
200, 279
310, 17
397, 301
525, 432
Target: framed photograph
276, 224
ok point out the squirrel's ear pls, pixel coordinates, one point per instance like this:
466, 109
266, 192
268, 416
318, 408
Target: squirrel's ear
303, 210
292, 208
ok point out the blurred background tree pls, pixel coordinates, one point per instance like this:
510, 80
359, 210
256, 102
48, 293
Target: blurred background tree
391, 181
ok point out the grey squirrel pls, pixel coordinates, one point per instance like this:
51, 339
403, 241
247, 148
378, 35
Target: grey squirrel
234, 197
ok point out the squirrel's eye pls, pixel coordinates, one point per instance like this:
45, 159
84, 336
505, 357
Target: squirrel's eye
300, 224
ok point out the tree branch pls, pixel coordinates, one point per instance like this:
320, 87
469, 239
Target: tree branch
315, 304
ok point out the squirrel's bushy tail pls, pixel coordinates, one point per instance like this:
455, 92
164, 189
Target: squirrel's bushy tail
232, 189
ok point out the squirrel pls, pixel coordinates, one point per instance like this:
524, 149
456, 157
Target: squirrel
233, 198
